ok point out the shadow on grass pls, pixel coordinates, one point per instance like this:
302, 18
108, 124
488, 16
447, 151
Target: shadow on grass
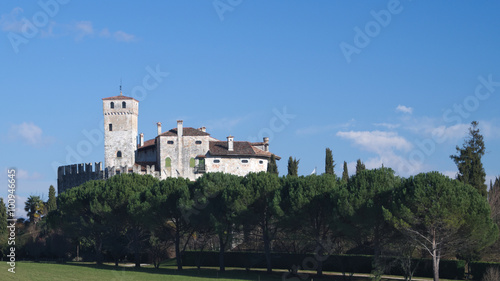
212, 273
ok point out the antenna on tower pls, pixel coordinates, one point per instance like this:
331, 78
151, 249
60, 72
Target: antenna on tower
121, 87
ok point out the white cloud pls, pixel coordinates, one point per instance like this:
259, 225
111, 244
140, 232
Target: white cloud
316, 129
312, 130
83, 29
29, 133
387, 125
442, 133
105, 33
377, 141
121, 36
404, 109
11, 22
389, 147
226, 123
25, 175
489, 130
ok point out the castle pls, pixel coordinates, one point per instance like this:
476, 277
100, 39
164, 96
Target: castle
179, 152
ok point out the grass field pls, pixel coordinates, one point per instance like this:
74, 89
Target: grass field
90, 271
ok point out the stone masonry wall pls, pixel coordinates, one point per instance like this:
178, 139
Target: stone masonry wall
74, 175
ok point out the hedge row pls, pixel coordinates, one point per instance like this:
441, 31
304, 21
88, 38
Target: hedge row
478, 269
449, 269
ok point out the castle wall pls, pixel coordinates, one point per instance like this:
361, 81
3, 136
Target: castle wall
181, 159
235, 165
74, 175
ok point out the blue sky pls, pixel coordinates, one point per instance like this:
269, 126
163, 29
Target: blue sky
388, 82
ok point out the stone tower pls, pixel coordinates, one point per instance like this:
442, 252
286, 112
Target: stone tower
120, 131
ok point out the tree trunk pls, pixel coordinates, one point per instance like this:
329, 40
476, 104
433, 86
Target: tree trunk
221, 253
98, 251
435, 258
267, 251
178, 256
137, 255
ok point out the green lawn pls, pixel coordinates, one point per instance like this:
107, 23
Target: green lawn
90, 271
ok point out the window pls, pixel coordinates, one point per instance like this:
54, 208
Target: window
112, 105
119, 154
261, 162
110, 127
216, 161
198, 142
168, 162
192, 163
124, 105
244, 161
170, 142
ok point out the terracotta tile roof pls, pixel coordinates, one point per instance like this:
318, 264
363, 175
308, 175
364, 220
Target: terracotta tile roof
186, 131
242, 148
148, 143
120, 98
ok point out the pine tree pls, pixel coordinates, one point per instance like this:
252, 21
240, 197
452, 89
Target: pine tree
345, 174
272, 167
52, 202
360, 167
329, 163
293, 166
468, 160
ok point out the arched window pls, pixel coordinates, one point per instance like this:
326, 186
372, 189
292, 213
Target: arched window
124, 105
110, 127
112, 105
168, 162
119, 154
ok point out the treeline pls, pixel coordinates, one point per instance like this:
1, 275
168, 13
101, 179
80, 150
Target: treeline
373, 212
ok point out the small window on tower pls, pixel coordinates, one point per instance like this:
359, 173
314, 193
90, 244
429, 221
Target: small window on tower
170, 142
124, 105
111, 127
198, 142
112, 105
119, 154
244, 161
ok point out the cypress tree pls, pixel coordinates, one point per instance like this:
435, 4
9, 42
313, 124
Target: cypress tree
272, 167
293, 166
360, 166
52, 202
329, 163
345, 174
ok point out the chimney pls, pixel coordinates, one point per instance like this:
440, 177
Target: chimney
159, 127
266, 144
179, 128
230, 143
141, 139
203, 129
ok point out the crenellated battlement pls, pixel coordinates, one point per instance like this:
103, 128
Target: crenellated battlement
74, 175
